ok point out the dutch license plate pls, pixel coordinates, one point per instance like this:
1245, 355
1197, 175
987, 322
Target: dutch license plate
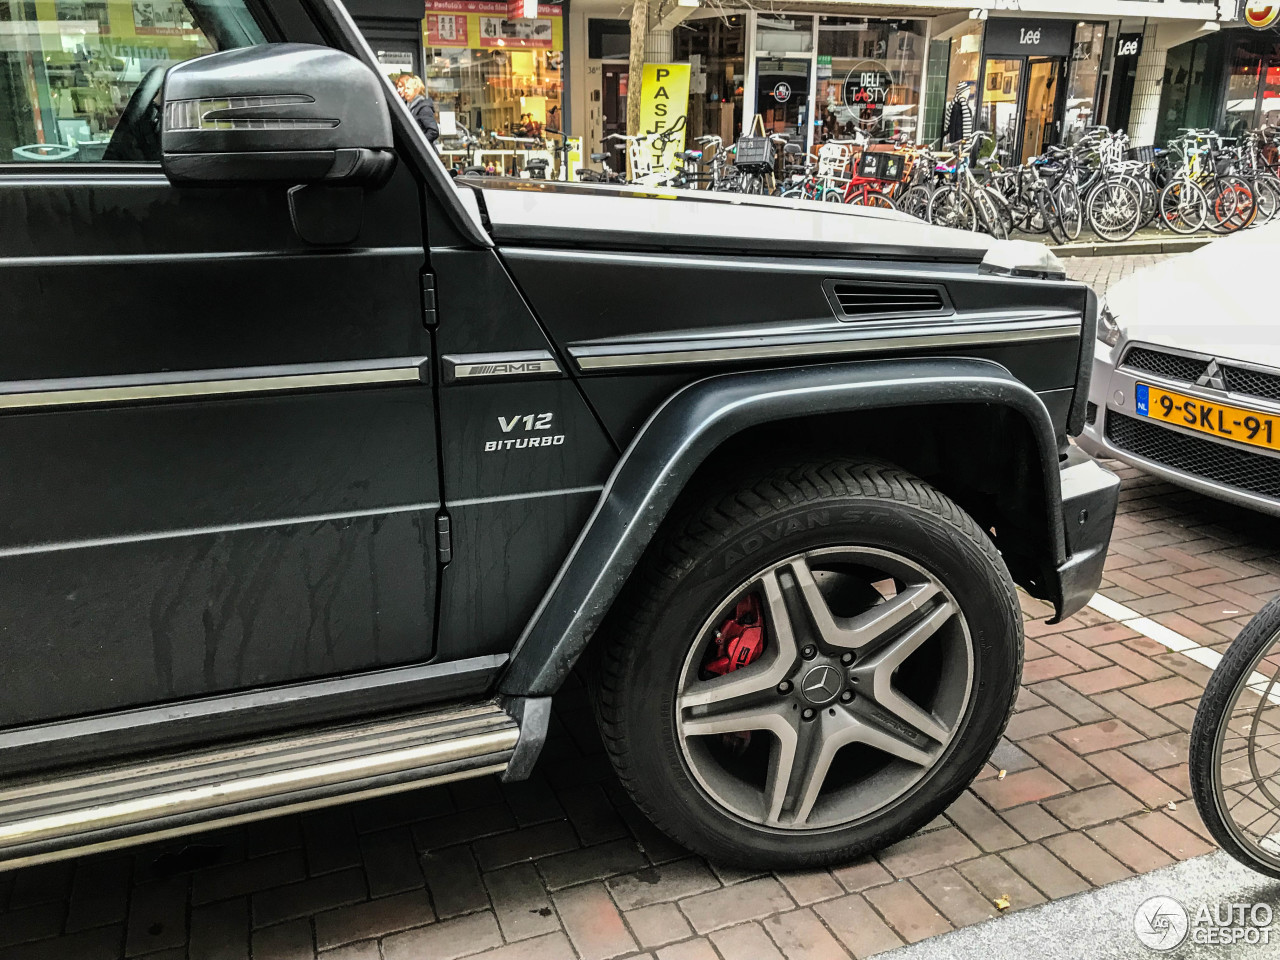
1216, 419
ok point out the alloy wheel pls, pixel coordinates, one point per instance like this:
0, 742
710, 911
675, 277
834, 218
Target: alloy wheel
864, 677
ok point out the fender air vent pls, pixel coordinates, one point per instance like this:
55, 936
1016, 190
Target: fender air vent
859, 300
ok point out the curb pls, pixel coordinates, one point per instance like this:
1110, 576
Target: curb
1130, 248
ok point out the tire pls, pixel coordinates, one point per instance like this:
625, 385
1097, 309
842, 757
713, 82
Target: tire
949, 207
870, 198
1218, 718
1050, 215
989, 220
1070, 209
705, 562
916, 202
1113, 210
1182, 206
1003, 210
1267, 192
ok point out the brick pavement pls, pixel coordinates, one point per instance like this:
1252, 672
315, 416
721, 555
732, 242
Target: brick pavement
1089, 786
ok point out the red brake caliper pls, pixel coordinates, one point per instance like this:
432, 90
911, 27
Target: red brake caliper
739, 640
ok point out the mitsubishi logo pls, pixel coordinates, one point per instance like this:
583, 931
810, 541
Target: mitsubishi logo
1212, 377
821, 684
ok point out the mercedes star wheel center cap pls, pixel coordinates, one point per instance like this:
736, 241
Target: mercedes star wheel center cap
821, 684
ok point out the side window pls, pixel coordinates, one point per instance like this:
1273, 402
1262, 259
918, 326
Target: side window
80, 80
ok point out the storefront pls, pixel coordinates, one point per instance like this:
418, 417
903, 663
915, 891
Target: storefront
1039, 82
491, 74
1252, 95
815, 78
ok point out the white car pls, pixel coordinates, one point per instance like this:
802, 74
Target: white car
1186, 371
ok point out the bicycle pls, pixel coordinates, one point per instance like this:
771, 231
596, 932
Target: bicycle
1234, 760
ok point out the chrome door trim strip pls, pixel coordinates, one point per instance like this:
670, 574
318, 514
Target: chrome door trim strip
215, 529
593, 358
18, 395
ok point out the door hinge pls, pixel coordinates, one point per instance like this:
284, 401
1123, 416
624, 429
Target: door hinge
444, 541
428, 300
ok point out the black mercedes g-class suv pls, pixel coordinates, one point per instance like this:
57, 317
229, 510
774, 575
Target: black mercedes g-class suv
322, 470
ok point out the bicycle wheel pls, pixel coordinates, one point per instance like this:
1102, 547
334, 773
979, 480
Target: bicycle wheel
1222, 205
1070, 209
1113, 210
1050, 214
1266, 191
1183, 206
1003, 210
949, 207
1235, 747
833, 195
873, 198
1246, 211
916, 202
988, 216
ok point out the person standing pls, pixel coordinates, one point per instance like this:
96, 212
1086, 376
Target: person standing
414, 92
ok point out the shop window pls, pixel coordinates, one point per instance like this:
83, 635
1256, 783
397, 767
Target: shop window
1082, 84
715, 48
870, 76
496, 77
69, 69
1253, 83
779, 36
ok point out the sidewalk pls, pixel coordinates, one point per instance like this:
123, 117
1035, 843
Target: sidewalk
1088, 787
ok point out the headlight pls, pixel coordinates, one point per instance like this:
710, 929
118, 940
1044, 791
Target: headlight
1108, 328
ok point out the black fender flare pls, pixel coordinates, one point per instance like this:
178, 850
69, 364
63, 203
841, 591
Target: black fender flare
687, 428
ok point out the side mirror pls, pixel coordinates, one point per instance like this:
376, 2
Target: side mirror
287, 113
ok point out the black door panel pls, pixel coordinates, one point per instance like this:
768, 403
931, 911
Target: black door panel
154, 546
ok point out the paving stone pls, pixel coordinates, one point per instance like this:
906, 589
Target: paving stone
520, 902
1102, 634
1161, 752
1047, 668
1137, 663
1105, 735
1099, 681
1169, 835
1095, 805
1134, 778
454, 881
102, 943
954, 897
1077, 654
1033, 723
41, 884
1077, 706
592, 815
800, 935
463, 827
1010, 757
1087, 858
591, 863
527, 843
157, 917
1053, 877
308, 897
1129, 847
284, 941
810, 886
1016, 789
1147, 722
249, 876
746, 941
995, 879
861, 874
1069, 767
730, 905
977, 821
907, 911
858, 927
364, 950
99, 893
391, 862
220, 931
671, 881
1160, 692
549, 946
925, 852
446, 940
1032, 821
330, 840
372, 919
532, 801
593, 923
699, 949
659, 924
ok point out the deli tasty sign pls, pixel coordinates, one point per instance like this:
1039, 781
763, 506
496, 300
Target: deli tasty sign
1011, 37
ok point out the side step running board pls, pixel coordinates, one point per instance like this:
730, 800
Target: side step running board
76, 812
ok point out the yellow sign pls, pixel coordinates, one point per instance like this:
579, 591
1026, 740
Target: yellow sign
1261, 14
664, 101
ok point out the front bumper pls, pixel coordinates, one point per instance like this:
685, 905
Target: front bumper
1111, 393
1090, 493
